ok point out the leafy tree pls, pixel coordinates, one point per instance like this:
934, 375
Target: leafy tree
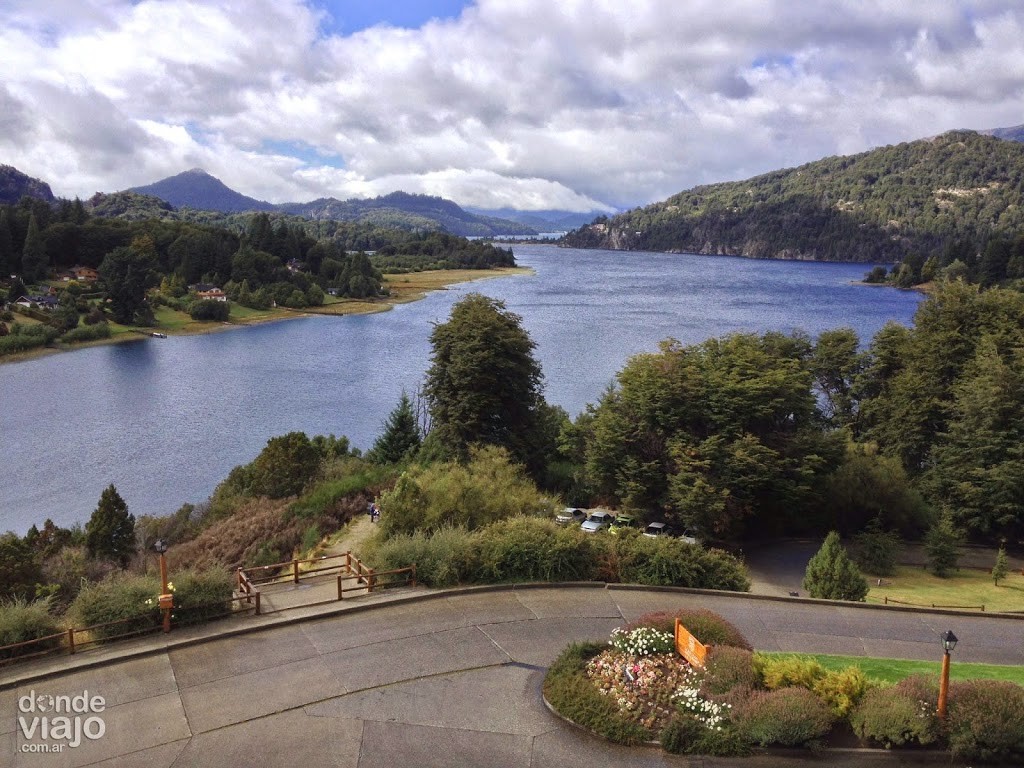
127, 272
33, 255
284, 466
484, 385
835, 364
1002, 567
401, 437
20, 568
978, 462
831, 575
877, 549
110, 532
941, 545
209, 310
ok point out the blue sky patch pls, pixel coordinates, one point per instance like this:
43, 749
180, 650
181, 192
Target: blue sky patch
349, 16
304, 152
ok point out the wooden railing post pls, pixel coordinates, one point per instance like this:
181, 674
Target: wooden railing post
371, 581
414, 574
295, 570
339, 586
348, 562
71, 639
257, 602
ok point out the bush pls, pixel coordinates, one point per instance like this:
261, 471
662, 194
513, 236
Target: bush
569, 691
209, 310
325, 496
443, 560
900, 714
707, 626
119, 597
788, 717
877, 549
21, 621
86, 333
840, 690
202, 595
487, 489
685, 735
533, 549
985, 720
728, 667
664, 561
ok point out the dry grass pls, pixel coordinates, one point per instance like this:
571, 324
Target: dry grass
913, 584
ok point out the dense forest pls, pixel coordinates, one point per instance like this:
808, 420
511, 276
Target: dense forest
141, 262
882, 205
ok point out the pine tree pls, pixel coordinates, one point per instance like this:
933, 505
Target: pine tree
1002, 568
110, 532
941, 544
401, 436
831, 575
877, 548
6, 245
33, 256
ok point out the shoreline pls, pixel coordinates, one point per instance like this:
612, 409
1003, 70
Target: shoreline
405, 288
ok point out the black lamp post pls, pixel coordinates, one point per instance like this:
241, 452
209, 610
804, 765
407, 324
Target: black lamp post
948, 644
166, 598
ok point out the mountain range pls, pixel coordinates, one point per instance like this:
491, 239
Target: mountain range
879, 205
14, 185
398, 210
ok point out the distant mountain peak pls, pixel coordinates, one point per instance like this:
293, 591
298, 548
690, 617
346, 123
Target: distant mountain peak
14, 185
195, 188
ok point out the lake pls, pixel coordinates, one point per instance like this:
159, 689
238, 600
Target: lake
165, 420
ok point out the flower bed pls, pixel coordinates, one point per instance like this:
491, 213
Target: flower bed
637, 689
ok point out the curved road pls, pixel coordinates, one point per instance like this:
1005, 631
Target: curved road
449, 681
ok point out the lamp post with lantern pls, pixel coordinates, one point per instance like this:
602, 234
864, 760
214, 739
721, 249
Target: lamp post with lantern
166, 598
949, 641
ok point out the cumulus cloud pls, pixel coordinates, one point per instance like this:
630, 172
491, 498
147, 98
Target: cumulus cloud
578, 105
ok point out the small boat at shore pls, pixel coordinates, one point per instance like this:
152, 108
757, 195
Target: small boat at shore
158, 335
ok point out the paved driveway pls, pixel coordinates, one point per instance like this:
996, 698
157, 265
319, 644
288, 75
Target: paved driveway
449, 681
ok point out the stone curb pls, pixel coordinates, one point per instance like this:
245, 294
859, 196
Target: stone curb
332, 609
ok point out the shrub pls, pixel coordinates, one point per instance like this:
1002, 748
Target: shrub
87, 333
487, 489
789, 717
119, 597
533, 549
788, 671
842, 690
707, 626
685, 735
728, 667
642, 641
209, 310
985, 720
877, 549
664, 561
325, 495
442, 560
569, 691
21, 621
202, 595
900, 714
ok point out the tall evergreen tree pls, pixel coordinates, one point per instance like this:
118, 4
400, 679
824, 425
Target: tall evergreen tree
6, 244
110, 532
484, 385
942, 545
1002, 567
832, 575
34, 262
401, 436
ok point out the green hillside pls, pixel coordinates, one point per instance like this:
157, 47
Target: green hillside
876, 206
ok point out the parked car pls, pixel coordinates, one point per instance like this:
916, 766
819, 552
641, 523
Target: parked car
622, 522
571, 515
689, 536
655, 530
597, 521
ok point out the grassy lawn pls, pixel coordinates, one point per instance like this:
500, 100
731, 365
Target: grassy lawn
894, 670
915, 585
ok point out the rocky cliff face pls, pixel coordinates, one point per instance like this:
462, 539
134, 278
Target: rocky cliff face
14, 185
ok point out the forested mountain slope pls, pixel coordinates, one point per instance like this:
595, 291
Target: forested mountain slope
879, 205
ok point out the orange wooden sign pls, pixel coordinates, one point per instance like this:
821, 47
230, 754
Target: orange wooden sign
689, 647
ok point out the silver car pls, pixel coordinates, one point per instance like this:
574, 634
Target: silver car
597, 521
571, 515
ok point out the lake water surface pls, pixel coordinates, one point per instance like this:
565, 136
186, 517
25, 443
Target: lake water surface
165, 420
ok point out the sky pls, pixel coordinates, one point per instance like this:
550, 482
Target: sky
579, 105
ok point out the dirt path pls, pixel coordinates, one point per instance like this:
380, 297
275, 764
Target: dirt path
351, 537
